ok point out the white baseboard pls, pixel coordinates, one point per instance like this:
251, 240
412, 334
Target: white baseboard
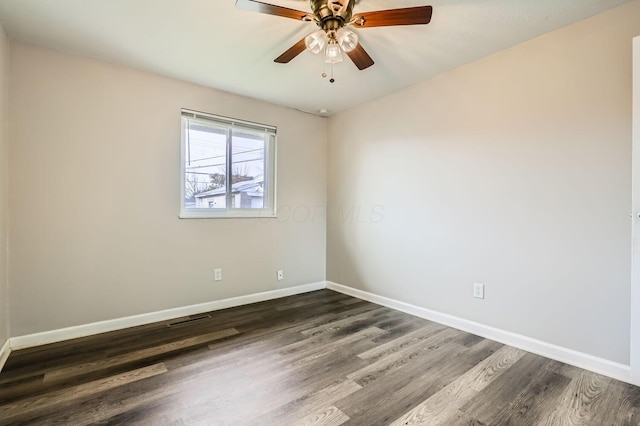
4, 352
588, 362
68, 333
569, 356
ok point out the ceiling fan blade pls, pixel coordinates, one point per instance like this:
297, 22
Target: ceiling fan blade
293, 51
271, 9
406, 16
360, 57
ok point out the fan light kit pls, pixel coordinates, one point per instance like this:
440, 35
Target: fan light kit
333, 38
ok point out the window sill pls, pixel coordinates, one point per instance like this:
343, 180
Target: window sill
241, 214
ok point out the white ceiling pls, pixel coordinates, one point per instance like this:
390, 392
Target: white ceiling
212, 43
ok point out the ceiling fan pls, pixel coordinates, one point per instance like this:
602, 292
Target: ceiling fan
333, 17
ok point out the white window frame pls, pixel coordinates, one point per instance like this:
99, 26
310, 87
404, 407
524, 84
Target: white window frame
269, 211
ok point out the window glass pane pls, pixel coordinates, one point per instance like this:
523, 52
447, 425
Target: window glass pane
248, 169
205, 166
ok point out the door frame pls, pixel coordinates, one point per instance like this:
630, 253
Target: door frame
635, 222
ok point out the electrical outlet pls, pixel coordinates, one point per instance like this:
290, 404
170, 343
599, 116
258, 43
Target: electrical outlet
280, 275
217, 274
478, 290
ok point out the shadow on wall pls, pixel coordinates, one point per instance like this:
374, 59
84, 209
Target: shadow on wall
344, 223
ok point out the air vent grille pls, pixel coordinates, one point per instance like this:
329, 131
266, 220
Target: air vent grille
191, 319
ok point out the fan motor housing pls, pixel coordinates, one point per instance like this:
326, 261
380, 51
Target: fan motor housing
322, 9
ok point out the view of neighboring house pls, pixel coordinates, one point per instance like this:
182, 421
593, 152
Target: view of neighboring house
245, 195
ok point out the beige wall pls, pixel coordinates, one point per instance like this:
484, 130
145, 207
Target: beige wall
94, 197
513, 171
4, 174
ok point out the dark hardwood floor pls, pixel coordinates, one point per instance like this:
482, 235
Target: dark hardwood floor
320, 358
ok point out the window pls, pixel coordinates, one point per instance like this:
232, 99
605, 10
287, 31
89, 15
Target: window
228, 167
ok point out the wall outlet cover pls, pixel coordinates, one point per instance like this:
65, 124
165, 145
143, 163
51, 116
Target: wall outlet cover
478, 290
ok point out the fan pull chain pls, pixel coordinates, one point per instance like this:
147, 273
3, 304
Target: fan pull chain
324, 72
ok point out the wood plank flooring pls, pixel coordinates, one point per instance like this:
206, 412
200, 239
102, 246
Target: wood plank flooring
319, 358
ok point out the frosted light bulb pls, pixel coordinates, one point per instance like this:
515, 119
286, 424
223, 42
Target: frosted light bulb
347, 39
315, 41
333, 54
